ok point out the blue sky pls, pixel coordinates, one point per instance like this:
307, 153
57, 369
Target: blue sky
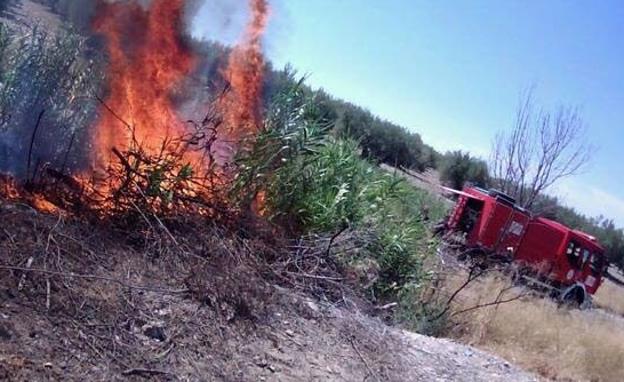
453, 70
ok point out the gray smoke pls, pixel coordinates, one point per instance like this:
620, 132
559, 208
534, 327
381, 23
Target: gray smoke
80, 12
219, 20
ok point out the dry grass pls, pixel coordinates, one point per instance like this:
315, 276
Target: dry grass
557, 343
610, 297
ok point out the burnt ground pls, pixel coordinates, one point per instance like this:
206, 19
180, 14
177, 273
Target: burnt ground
83, 301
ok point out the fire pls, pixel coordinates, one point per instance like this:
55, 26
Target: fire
12, 190
9, 187
144, 149
148, 60
245, 72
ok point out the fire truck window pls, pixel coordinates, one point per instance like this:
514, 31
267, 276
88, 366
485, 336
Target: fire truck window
470, 216
570, 249
574, 255
596, 263
585, 255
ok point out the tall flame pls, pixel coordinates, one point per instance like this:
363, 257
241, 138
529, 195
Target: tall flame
245, 73
148, 63
148, 60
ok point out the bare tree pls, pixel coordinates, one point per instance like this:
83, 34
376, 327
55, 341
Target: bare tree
541, 148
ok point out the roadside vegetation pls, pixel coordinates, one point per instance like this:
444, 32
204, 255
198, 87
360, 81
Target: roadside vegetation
458, 168
69, 85
315, 181
46, 79
537, 334
382, 142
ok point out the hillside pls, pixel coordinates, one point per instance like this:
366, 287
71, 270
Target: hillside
81, 302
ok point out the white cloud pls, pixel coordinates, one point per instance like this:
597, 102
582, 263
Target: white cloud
591, 201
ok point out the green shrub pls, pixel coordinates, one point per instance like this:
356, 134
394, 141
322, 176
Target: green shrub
44, 73
324, 190
381, 141
314, 183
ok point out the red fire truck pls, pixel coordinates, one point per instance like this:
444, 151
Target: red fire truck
570, 264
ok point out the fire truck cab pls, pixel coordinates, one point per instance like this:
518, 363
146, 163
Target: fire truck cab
572, 261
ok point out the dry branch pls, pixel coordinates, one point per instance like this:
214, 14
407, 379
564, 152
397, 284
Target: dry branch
95, 277
541, 148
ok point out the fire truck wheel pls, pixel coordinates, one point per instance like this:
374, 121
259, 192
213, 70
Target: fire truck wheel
588, 303
574, 297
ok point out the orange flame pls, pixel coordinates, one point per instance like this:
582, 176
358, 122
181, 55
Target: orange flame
147, 62
245, 72
11, 190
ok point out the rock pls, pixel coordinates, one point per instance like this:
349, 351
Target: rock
155, 332
5, 332
312, 306
264, 364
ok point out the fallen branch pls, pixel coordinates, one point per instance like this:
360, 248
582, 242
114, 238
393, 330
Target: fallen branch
143, 372
101, 101
370, 371
475, 272
32, 144
316, 277
334, 237
387, 306
495, 302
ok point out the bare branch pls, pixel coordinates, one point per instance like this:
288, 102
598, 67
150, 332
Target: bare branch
541, 149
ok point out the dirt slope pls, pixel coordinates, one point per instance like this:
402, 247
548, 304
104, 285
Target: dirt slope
336, 346
85, 302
